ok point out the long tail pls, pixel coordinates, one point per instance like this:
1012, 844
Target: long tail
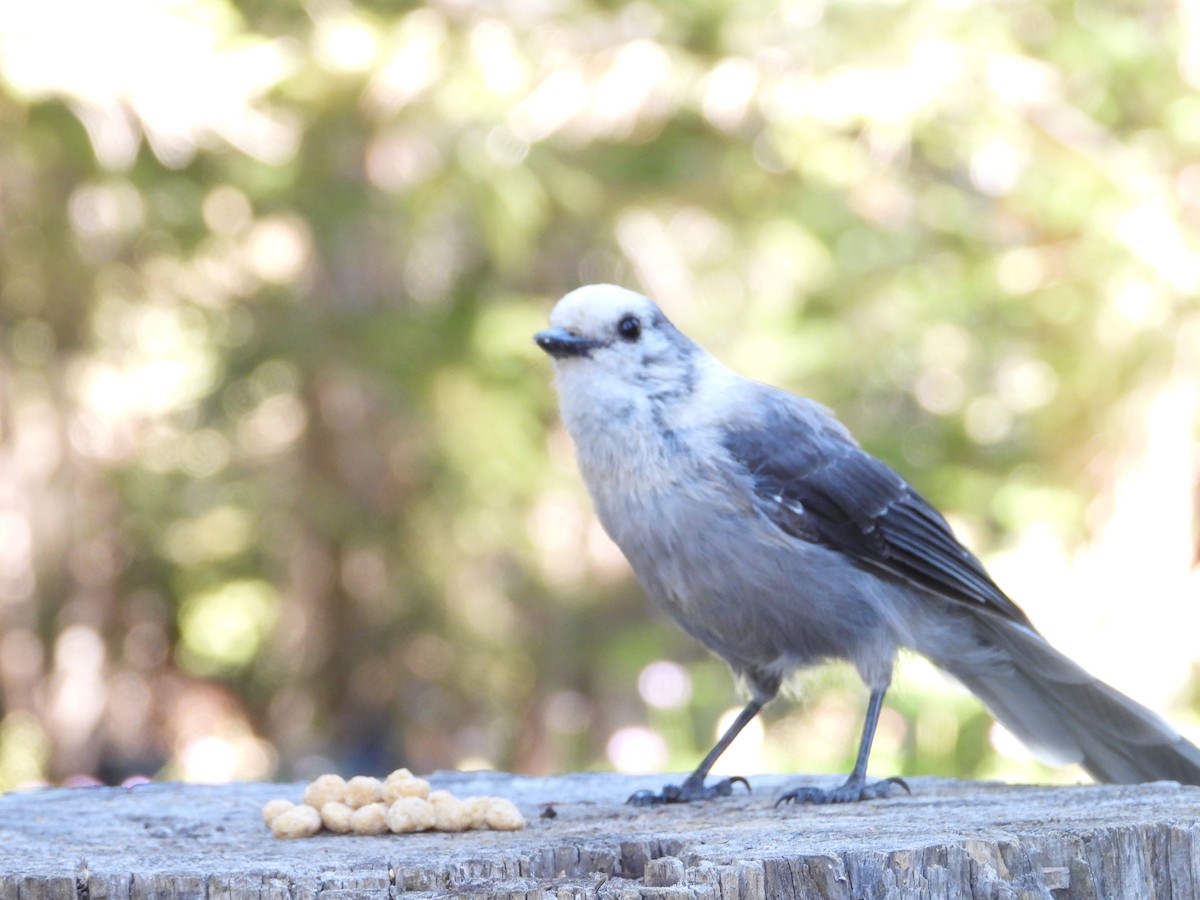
1066, 714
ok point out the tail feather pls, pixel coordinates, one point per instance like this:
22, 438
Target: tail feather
1066, 714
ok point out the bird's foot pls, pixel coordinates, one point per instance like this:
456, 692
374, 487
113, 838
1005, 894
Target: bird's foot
852, 791
687, 792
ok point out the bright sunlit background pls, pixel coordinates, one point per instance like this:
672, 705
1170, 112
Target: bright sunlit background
282, 488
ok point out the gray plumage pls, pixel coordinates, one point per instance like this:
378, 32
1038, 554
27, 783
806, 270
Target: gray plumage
754, 519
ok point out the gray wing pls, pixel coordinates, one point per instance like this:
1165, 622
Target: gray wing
817, 485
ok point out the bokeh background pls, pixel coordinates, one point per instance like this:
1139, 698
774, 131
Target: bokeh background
282, 488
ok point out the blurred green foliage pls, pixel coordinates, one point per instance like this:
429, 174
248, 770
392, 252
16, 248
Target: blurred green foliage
282, 486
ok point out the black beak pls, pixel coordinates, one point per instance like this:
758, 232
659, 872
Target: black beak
560, 343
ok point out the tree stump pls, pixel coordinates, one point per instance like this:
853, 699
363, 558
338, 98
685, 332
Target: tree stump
949, 839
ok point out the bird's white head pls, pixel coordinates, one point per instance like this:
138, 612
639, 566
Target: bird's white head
614, 351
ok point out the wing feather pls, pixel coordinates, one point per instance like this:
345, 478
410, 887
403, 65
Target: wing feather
817, 485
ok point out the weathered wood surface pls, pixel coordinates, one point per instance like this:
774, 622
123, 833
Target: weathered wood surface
949, 839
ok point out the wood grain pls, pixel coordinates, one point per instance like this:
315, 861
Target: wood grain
948, 840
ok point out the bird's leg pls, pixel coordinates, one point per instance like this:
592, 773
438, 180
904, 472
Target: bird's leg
856, 786
693, 787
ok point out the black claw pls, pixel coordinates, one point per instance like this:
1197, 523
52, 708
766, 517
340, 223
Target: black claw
687, 792
850, 792
645, 798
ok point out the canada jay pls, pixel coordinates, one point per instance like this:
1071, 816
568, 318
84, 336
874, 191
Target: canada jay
755, 520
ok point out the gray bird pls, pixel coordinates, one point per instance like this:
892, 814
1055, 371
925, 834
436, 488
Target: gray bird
757, 522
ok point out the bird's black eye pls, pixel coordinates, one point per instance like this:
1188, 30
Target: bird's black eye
629, 328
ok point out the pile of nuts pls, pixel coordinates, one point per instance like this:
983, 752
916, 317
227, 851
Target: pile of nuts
401, 803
